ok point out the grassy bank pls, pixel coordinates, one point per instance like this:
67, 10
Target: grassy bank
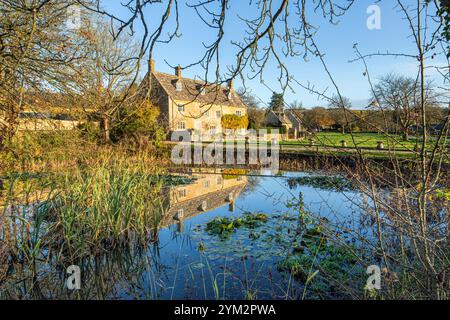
361, 140
59, 151
53, 220
62, 194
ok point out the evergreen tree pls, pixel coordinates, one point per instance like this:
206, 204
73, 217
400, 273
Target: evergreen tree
277, 102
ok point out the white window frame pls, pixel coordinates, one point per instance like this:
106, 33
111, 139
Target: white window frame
181, 125
182, 193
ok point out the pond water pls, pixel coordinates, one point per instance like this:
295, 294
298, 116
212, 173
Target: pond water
243, 264
229, 235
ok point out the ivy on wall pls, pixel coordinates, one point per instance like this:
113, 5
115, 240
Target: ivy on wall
233, 122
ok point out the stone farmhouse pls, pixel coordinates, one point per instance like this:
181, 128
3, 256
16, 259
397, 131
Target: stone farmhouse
192, 105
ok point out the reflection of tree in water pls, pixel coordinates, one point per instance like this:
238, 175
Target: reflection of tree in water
129, 271
252, 185
333, 183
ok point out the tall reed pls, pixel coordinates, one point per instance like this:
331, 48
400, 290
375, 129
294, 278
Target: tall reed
107, 203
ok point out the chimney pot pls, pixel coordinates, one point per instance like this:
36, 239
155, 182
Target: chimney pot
151, 65
230, 89
231, 85
178, 71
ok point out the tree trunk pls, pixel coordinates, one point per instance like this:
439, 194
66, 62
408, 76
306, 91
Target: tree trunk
106, 129
405, 135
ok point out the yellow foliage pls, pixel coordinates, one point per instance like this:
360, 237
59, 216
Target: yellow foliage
232, 121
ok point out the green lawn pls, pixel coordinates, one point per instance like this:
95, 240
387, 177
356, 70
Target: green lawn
363, 140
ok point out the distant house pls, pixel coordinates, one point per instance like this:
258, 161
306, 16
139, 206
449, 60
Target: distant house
191, 105
47, 111
34, 121
288, 121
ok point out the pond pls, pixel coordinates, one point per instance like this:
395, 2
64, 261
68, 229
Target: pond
230, 235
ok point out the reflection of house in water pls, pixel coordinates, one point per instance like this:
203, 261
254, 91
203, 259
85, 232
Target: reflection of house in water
206, 193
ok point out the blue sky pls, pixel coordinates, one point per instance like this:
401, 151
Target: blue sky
335, 40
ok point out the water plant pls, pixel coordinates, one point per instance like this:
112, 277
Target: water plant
322, 265
85, 209
335, 183
108, 204
226, 226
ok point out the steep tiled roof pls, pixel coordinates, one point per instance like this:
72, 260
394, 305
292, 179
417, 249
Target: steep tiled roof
282, 117
214, 94
296, 114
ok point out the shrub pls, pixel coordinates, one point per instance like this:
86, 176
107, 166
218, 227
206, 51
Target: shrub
234, 122
90, 131
138, 123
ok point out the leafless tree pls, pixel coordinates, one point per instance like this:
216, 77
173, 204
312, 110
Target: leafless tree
272, 34
104, 79
399, 94
35, 47
338, 109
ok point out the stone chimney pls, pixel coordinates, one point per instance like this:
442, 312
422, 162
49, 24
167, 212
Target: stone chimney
151, 66
178, 72
232, 206
178, 84
230, 89
231, 86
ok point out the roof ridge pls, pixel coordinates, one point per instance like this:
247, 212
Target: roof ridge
214, 93
190, 79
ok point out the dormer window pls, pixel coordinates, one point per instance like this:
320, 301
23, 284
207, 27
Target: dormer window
230, 95
201, 89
